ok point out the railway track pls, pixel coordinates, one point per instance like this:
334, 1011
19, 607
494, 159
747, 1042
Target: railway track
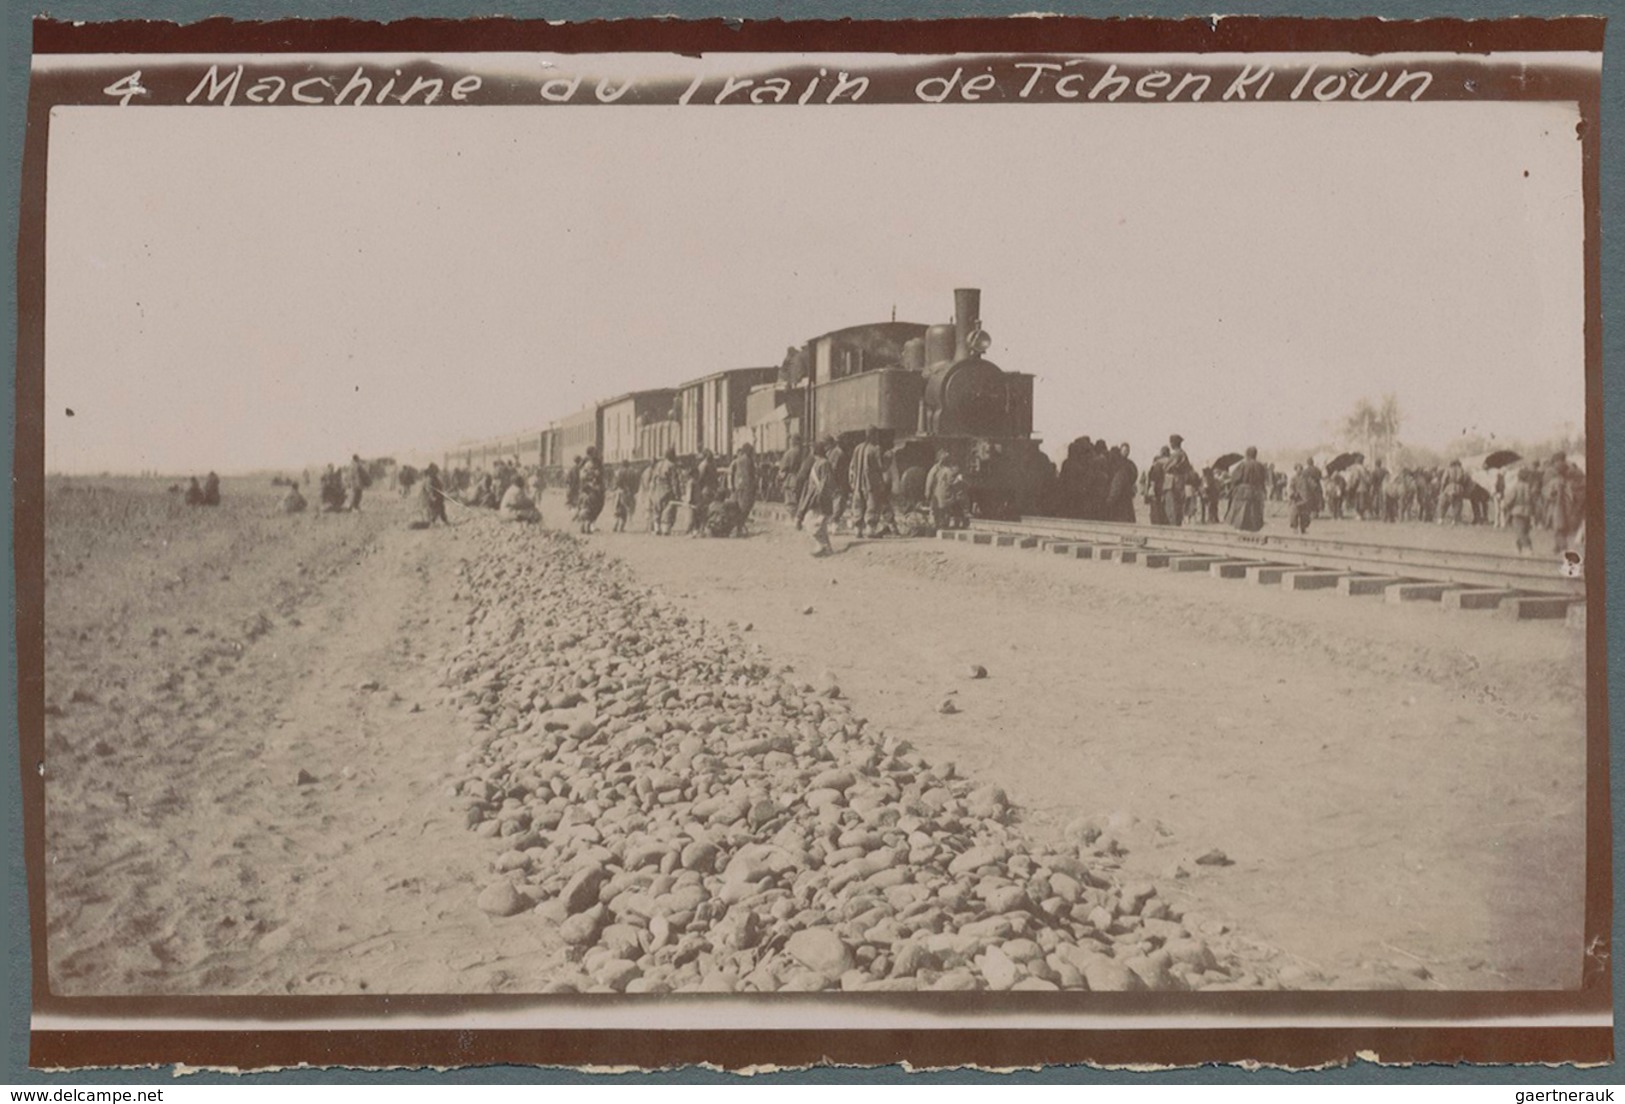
1515, 587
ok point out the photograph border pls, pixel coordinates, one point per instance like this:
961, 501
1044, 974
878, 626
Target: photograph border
1285, 1045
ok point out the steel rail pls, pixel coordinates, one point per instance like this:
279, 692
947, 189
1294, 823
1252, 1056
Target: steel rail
1532, 574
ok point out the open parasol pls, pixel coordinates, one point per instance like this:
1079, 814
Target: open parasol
1500, 459
1224, 462
1345, 460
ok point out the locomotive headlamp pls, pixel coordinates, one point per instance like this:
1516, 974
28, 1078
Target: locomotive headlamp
980, 341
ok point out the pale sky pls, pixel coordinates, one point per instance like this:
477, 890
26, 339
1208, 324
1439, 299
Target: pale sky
244, 289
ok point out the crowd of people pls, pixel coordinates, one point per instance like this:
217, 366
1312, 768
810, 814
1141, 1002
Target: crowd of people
1100, 482
873, 490
870, 489
338, 489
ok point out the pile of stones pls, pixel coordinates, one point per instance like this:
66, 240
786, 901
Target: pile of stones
691, 820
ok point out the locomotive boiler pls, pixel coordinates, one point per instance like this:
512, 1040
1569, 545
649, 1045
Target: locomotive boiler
927, 388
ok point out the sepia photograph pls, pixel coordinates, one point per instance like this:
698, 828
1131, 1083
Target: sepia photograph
1039, 536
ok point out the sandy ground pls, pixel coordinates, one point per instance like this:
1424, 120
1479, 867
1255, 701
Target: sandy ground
1398, 789
183, 853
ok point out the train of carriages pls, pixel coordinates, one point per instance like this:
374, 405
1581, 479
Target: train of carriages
923, 387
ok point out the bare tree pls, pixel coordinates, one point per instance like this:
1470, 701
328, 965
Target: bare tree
1375, 426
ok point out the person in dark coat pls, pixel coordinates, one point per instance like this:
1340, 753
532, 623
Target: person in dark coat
1069, 484
1156, 476
355, 481
1096, 477
702, 492
211, 490
626, 495
1249, 483
590, 499
572, 484
431, 499
742, 481
840, 477
194, 493
1210, 496
1120, 494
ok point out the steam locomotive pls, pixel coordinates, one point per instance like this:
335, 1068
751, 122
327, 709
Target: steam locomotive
924, 388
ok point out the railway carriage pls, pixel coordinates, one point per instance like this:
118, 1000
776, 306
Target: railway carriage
711, 410
773, 416
529, 449
624, 418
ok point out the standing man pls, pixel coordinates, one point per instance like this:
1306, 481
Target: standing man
590, 490
572, 484
1156, 478
1210, 496
1249, 483
1334, 496
702, 491
817, 496
626, 495
839, 475
868, 480
1453, 493
431, 498
355, 481
667, 488
1125, 475
1300, 494
789, 469
1175, 475
1377, 486
1317, 500
1568, 503
742, 481
1519, 510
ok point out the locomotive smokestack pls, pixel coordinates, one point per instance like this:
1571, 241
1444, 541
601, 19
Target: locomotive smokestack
967, 319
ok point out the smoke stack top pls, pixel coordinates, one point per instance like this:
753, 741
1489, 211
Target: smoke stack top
967, 319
